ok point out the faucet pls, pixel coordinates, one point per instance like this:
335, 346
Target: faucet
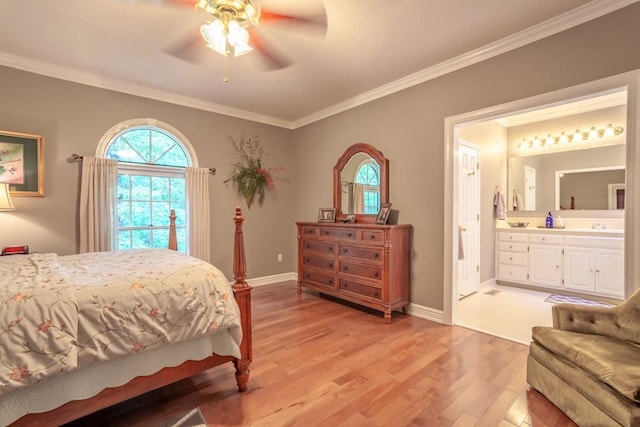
599, 226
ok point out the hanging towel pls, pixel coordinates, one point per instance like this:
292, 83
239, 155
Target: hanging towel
460, 245
500, 205
518, 204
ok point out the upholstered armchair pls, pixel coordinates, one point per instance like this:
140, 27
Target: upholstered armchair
588, 363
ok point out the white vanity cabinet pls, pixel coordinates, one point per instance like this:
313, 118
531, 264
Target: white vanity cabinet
512, 259
545, 260
578, 263
594, 265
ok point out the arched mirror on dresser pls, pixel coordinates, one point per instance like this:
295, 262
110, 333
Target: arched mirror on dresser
360, 183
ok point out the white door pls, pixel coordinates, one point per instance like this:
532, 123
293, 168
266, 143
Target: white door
529, 188
468, 220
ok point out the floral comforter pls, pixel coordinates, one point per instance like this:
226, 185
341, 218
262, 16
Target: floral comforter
62, 312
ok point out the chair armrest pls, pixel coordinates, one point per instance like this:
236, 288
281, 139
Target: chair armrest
585, 319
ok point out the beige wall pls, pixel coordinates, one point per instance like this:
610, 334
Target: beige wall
74, 117
408, 127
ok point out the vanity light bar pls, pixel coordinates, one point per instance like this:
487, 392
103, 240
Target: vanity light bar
576, 136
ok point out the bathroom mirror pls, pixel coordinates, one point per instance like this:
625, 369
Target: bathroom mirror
549, 181
360, 183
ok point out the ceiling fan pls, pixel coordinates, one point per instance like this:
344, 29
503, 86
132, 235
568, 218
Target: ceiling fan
232, 30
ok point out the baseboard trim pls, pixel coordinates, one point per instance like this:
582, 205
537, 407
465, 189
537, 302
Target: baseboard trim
426, 313
270, 280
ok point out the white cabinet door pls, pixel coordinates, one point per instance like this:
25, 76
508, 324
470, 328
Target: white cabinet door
544, 265
609, 265
579, 269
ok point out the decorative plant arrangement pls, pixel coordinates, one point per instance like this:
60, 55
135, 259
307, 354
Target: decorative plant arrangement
249, 176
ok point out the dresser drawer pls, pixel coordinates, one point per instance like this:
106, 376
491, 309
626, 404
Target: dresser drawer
369, 271
318, 278
512, 237
361, 289
318, 262
338, 233
513, 258
319, 246
372, 236
545, 239
512, 247
512, 272
362, 252
308, 230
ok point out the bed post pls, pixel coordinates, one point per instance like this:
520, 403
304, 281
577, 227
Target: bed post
173, 241
242, 292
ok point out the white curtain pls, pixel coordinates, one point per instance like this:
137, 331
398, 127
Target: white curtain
98, 204
198, 222
358, 198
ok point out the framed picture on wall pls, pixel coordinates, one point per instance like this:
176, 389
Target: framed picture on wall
22, 163
383, 213
327, 215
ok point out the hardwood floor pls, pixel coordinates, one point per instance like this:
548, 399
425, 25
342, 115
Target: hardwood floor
320, 362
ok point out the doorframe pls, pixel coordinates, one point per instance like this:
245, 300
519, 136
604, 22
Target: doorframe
630, 81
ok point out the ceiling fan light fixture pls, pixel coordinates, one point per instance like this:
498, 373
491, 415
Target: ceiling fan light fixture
213, 34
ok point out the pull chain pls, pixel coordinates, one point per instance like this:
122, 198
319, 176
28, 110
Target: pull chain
225, 78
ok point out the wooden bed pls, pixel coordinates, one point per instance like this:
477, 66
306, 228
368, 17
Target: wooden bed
139, 385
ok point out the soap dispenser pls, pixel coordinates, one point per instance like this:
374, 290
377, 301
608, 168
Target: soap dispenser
549, 221
559, 222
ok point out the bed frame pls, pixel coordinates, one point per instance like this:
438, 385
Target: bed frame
139, 385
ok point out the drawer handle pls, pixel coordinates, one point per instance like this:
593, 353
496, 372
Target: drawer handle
307, 275
372, 237
375, 255
375, 274
510, 258
346, 286
349, 234
331, 282
308, 246
331, 265
344, 251
510, 246
345, 268
326, 232
330, 249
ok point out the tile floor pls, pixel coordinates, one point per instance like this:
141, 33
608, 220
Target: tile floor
505, 311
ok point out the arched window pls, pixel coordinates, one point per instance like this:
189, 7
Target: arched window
151, 181
368, 174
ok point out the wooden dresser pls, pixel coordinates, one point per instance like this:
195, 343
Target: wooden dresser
366, 264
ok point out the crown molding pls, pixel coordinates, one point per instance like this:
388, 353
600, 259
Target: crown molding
577, 16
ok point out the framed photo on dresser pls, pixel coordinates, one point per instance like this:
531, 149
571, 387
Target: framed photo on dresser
327, 215
383, 213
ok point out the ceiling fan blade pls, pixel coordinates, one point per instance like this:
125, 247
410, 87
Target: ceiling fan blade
273, 58
189, 48
315, 23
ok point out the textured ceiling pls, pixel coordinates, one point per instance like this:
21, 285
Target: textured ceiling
369, 44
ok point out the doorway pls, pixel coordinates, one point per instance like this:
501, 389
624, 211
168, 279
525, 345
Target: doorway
453, 125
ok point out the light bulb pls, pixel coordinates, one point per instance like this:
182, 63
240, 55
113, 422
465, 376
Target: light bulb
563, 138
577, 137
593, 133
609, 131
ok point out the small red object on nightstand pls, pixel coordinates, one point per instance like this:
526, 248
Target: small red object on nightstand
15, 250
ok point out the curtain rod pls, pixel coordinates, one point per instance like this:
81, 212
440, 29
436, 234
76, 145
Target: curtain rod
77, 157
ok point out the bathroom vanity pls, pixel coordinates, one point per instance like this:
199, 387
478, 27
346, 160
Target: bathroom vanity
576, 260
